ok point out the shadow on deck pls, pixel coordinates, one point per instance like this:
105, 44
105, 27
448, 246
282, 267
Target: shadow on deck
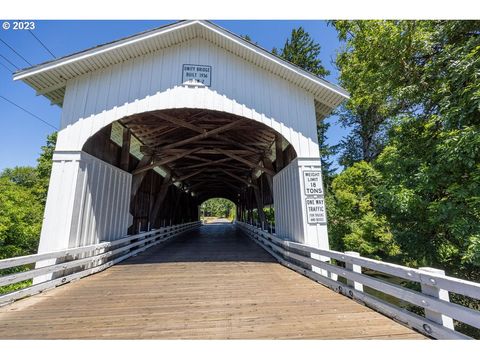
211, 283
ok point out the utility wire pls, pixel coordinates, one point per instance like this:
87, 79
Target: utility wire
41, 43
11, 63
28, 112
6, 67
16, 52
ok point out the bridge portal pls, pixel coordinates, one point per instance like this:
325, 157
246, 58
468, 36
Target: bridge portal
154, 124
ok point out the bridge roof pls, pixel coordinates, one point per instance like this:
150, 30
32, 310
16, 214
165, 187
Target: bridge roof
49, 79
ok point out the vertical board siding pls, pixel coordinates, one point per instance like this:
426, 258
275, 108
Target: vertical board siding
88, 202
154, 82
288, 211
290, 208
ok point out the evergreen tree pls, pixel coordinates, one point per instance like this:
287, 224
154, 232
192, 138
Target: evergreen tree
301, 50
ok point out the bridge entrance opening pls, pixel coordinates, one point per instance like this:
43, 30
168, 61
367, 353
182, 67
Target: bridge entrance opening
180, 158
217, 209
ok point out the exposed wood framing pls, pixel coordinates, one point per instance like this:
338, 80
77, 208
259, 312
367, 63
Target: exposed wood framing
125, 156
245, 161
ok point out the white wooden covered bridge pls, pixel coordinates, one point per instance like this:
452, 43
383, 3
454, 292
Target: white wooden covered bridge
152, 126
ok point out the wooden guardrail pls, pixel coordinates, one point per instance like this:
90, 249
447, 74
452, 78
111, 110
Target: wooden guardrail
433, 298
72, 264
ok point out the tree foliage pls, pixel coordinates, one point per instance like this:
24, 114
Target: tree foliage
354, 221
218, 207
415, 117
22, 199
300, 49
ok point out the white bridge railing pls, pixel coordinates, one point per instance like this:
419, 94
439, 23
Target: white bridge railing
72, 264
433, 298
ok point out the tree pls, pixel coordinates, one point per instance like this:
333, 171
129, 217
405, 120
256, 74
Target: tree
20, 219
414, 109
354, 221
301, 50
22, 200
25, 176
44, 165
218, 207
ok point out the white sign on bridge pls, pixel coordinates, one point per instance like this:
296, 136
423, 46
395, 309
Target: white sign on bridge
315, 210
313, 182
197, 73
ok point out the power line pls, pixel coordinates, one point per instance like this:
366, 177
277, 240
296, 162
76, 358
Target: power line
15, 51
41, 43
28, 112
11, 63
6, 67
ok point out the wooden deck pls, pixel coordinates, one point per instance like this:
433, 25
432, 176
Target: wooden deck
212, 283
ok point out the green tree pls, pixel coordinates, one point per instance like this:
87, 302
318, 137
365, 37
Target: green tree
20, 219
414, 110
22, 200
218, 207
44, 165
300, 49
354, 221
25, 176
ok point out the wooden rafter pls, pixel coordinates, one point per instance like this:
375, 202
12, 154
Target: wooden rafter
165, 161
229, 173
210, 133
204, 164
185, 177
245, 161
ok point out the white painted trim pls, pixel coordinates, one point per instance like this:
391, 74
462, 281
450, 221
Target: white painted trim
148, 239
299, 73
98, 50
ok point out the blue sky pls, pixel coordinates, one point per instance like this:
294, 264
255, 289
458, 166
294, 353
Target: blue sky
22, 135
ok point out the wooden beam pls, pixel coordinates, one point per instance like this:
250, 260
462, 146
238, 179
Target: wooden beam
245, 161
203, 164
185, 177
203, 135
238, 178
279, 152
125, 156
180, 122
269, 165
234, 142
259, 201
197, 185
160, 198
203, 151
138, 178
164, 161
51, 88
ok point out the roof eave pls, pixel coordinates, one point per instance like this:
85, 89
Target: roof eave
51, 65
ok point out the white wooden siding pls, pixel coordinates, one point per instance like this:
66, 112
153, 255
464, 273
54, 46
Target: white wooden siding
87, 203
290, 208
154, 82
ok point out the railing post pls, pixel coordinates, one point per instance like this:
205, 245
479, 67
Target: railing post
355, 268
433, 290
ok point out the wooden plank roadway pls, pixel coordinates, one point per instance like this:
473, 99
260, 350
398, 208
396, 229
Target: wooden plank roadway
212, 283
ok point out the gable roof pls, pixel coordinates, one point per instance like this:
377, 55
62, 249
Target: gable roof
49, 78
